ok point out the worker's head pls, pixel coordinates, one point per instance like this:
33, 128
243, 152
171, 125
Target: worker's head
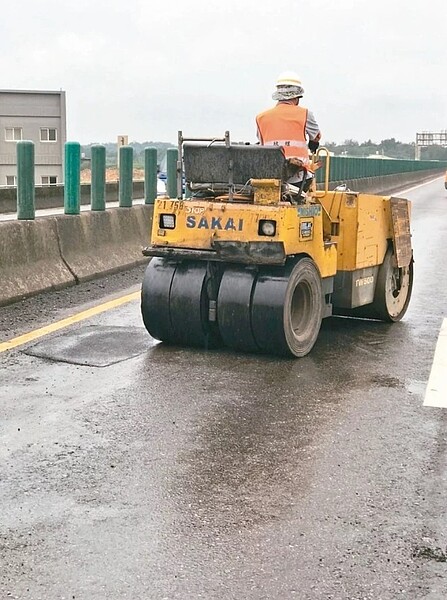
288, 87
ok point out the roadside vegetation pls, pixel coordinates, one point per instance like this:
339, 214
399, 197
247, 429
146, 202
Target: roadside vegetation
138, 153
390, 148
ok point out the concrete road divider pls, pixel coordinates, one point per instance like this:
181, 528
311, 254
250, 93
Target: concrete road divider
59, 251
95, 243
30, 260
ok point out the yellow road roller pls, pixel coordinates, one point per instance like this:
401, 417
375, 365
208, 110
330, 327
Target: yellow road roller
245, 259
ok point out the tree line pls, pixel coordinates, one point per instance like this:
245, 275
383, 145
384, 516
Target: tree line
138, 153
391, 148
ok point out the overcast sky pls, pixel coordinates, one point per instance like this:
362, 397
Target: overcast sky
371, 69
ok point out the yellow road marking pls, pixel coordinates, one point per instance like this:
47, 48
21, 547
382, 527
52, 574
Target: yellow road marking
85, 314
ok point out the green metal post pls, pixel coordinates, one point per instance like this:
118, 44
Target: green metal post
171, 172
150, 175
98, 187
25, 180
125, 176
72, 183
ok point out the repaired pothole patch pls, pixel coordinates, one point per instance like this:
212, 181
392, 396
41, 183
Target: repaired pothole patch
93, 346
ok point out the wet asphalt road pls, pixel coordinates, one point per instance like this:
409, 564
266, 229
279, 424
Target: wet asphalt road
184, 474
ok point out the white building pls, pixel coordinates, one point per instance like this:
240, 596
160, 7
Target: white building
39, 116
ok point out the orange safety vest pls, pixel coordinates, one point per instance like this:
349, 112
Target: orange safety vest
285, 125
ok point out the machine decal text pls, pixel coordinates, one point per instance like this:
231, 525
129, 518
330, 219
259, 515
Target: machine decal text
306, 229
364, 281
314, 210
172, 205
195, 210
229, 224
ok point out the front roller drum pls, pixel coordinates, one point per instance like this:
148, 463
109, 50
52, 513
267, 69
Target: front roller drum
155, 292
175, 305
189, 306
287, 308
234, 308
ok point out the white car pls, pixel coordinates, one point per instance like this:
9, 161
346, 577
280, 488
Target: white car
161, 187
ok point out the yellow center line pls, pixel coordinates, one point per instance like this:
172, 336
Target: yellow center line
85, 314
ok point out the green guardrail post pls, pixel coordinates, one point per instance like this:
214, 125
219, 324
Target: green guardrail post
125, 176
25, 180
72, 183
171, 172
98, 187
150, 175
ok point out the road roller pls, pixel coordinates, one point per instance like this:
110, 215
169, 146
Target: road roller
245, 259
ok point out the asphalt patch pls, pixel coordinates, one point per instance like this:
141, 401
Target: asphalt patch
93, 346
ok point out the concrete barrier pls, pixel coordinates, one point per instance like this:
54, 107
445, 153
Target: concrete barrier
56, 252
95, 243
30, 260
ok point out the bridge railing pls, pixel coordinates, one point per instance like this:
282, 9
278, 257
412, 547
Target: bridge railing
344, 168
72, 180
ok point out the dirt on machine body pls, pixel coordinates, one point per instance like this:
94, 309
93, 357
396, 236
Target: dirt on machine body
247, 260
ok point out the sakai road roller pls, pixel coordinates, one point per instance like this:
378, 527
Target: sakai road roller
244, 258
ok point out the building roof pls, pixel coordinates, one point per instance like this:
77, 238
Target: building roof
32, 91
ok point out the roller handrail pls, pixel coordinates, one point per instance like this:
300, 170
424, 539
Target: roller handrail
315, 158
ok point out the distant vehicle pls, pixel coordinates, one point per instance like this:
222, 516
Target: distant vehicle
163, 178
161, 186
445, 180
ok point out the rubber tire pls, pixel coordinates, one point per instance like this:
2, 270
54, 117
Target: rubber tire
174, 303
387, 306
234, 308
189, 305
155, 291
287, 308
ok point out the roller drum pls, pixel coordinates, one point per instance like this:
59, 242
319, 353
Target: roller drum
189, 306
234, 308
155, 292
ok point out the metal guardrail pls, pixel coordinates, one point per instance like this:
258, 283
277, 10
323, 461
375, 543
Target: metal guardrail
344, 168
72, 185
340, 168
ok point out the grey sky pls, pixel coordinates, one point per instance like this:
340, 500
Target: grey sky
370, 68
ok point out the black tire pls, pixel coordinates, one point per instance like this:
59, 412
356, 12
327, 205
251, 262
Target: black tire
391, 296
287, 308
174, 303
189, 307
155, 292
234, 308
393, 289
